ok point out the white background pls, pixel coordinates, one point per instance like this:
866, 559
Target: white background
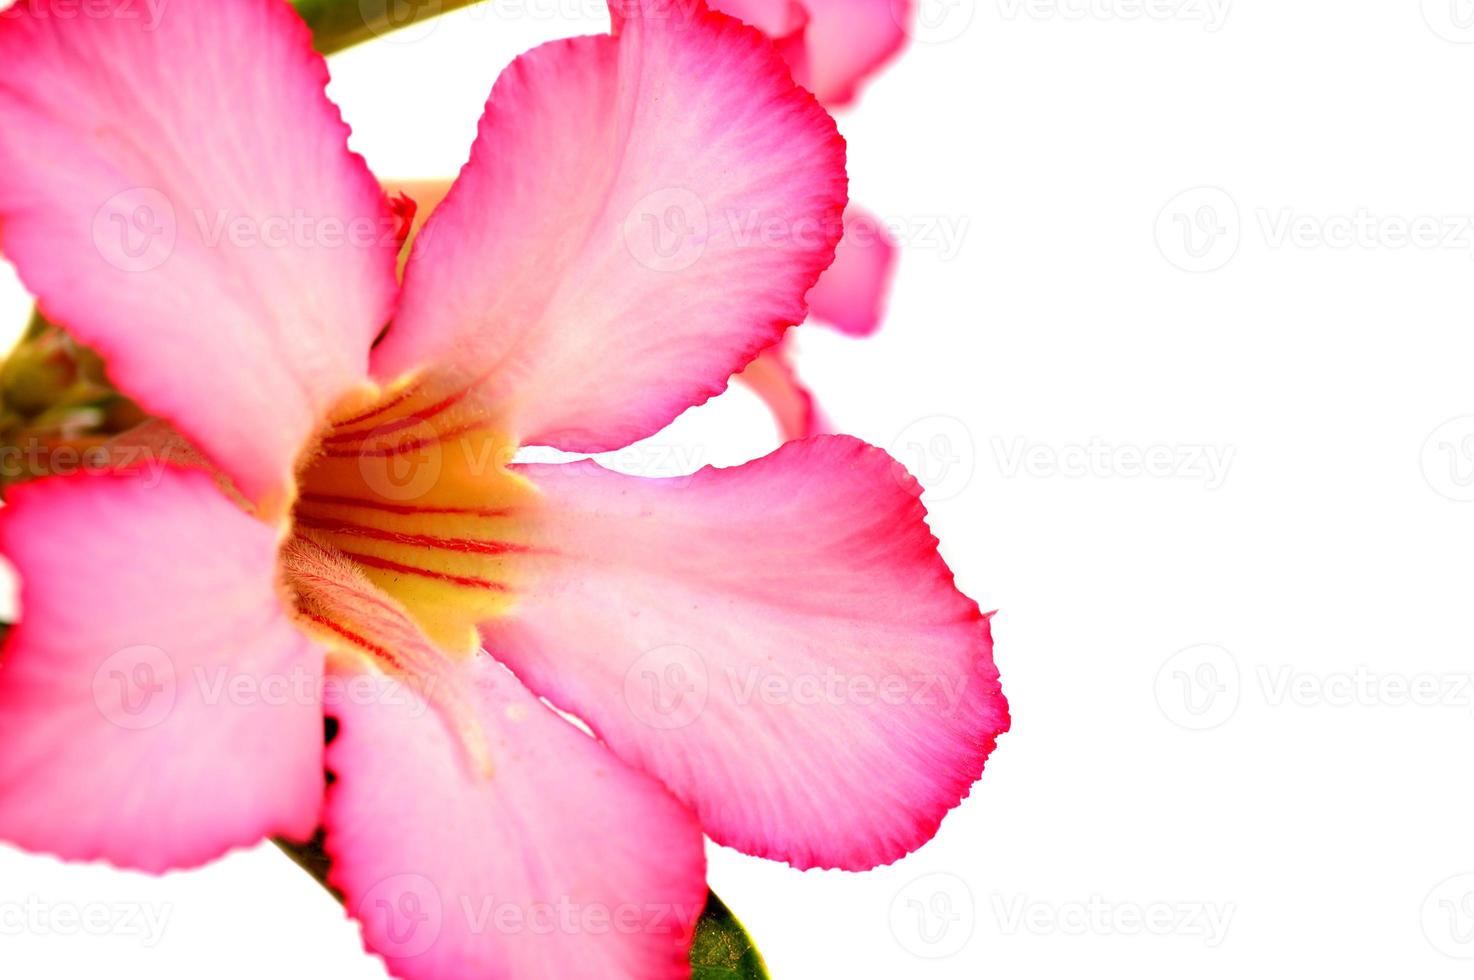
1317, 572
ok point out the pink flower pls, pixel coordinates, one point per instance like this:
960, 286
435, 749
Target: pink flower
773, 654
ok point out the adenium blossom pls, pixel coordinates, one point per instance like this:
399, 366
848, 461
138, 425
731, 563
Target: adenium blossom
773, 654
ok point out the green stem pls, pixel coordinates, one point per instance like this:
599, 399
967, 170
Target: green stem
339, 24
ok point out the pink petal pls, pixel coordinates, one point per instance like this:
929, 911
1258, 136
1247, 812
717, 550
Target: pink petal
774, 380
158, 707
179, 194
563, 862
780, 643
852, 293
640, 217
831, 45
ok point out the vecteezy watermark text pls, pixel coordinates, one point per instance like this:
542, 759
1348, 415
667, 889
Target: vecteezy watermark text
1099, 916
1201, 230
408, 914
1099, 459
36, 457
1211, 14
669, 687
145, 12
1202, 687
33, 916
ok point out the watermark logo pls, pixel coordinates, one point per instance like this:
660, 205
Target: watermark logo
135, 688
397, 461
667, 230
401, 21
136, 230
1211, 14
1452, 20
404, 913
934, 916
667, 687
939, 452
1199, 230
1199, 688
1448, 459
1448, 917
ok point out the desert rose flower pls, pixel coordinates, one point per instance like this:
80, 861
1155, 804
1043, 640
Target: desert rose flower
773, 654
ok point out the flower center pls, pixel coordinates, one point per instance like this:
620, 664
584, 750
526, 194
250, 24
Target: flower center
413, 491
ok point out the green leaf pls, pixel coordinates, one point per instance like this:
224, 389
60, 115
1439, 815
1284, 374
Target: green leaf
722, 949
338, 24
